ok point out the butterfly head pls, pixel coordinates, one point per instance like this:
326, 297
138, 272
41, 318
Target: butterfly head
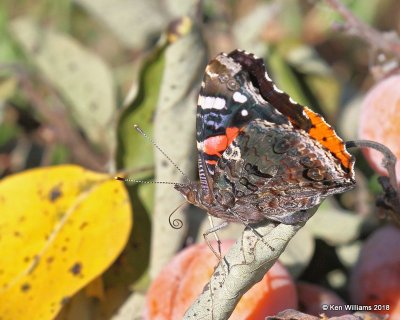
194, 194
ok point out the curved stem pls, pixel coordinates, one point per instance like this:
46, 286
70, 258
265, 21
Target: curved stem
390, 200
389, 159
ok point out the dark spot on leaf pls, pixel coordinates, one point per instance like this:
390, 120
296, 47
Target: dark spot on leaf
17, 234
50, 260
25, 287
63, 248
67, 239
206, 288
27, 259
22, 219
55, 193
135, 245
76, 269
83, 225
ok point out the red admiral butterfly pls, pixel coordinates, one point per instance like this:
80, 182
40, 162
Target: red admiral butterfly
261, 155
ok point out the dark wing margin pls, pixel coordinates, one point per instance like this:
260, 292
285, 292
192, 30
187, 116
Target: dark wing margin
279, 99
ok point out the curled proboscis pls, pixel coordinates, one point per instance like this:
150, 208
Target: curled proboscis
175, 223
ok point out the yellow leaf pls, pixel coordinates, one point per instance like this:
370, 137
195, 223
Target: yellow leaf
60, 227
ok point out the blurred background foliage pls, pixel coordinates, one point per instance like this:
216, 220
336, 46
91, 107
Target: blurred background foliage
76, 75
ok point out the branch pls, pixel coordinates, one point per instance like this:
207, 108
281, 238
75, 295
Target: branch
385, 41
243, 266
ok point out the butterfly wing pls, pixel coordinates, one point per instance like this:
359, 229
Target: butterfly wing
273, 171
262, 154
227, 102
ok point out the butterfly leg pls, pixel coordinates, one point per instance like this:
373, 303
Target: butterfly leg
245, 223
214, 230
256, 233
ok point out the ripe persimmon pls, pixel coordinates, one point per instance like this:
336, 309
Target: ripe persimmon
375, 280
380, 120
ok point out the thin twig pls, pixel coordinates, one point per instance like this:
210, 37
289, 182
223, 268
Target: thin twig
389, 159
390, 200
388, 43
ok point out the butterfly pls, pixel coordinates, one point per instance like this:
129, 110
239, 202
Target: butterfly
261, 155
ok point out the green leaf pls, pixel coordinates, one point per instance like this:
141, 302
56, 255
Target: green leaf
299, 252
348, 254
134, 22
327, 224
131, 266
284, 77
7, 132
318, 77
134, 152
248, 29
81, 77
175, 131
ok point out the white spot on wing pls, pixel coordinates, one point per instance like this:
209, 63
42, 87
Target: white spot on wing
238, 97
267, 76
200, 145
277, 89
292, 100
200, 101
244, 113
232, 153
211, 102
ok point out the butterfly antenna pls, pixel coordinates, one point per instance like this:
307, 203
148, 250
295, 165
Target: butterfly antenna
144, 181
138, 129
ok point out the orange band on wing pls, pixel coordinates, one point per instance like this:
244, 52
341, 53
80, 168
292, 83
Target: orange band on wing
217, 145
325, 135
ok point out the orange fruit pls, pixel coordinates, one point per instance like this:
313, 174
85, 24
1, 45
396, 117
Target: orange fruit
313, 297
375, 280
380, 120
